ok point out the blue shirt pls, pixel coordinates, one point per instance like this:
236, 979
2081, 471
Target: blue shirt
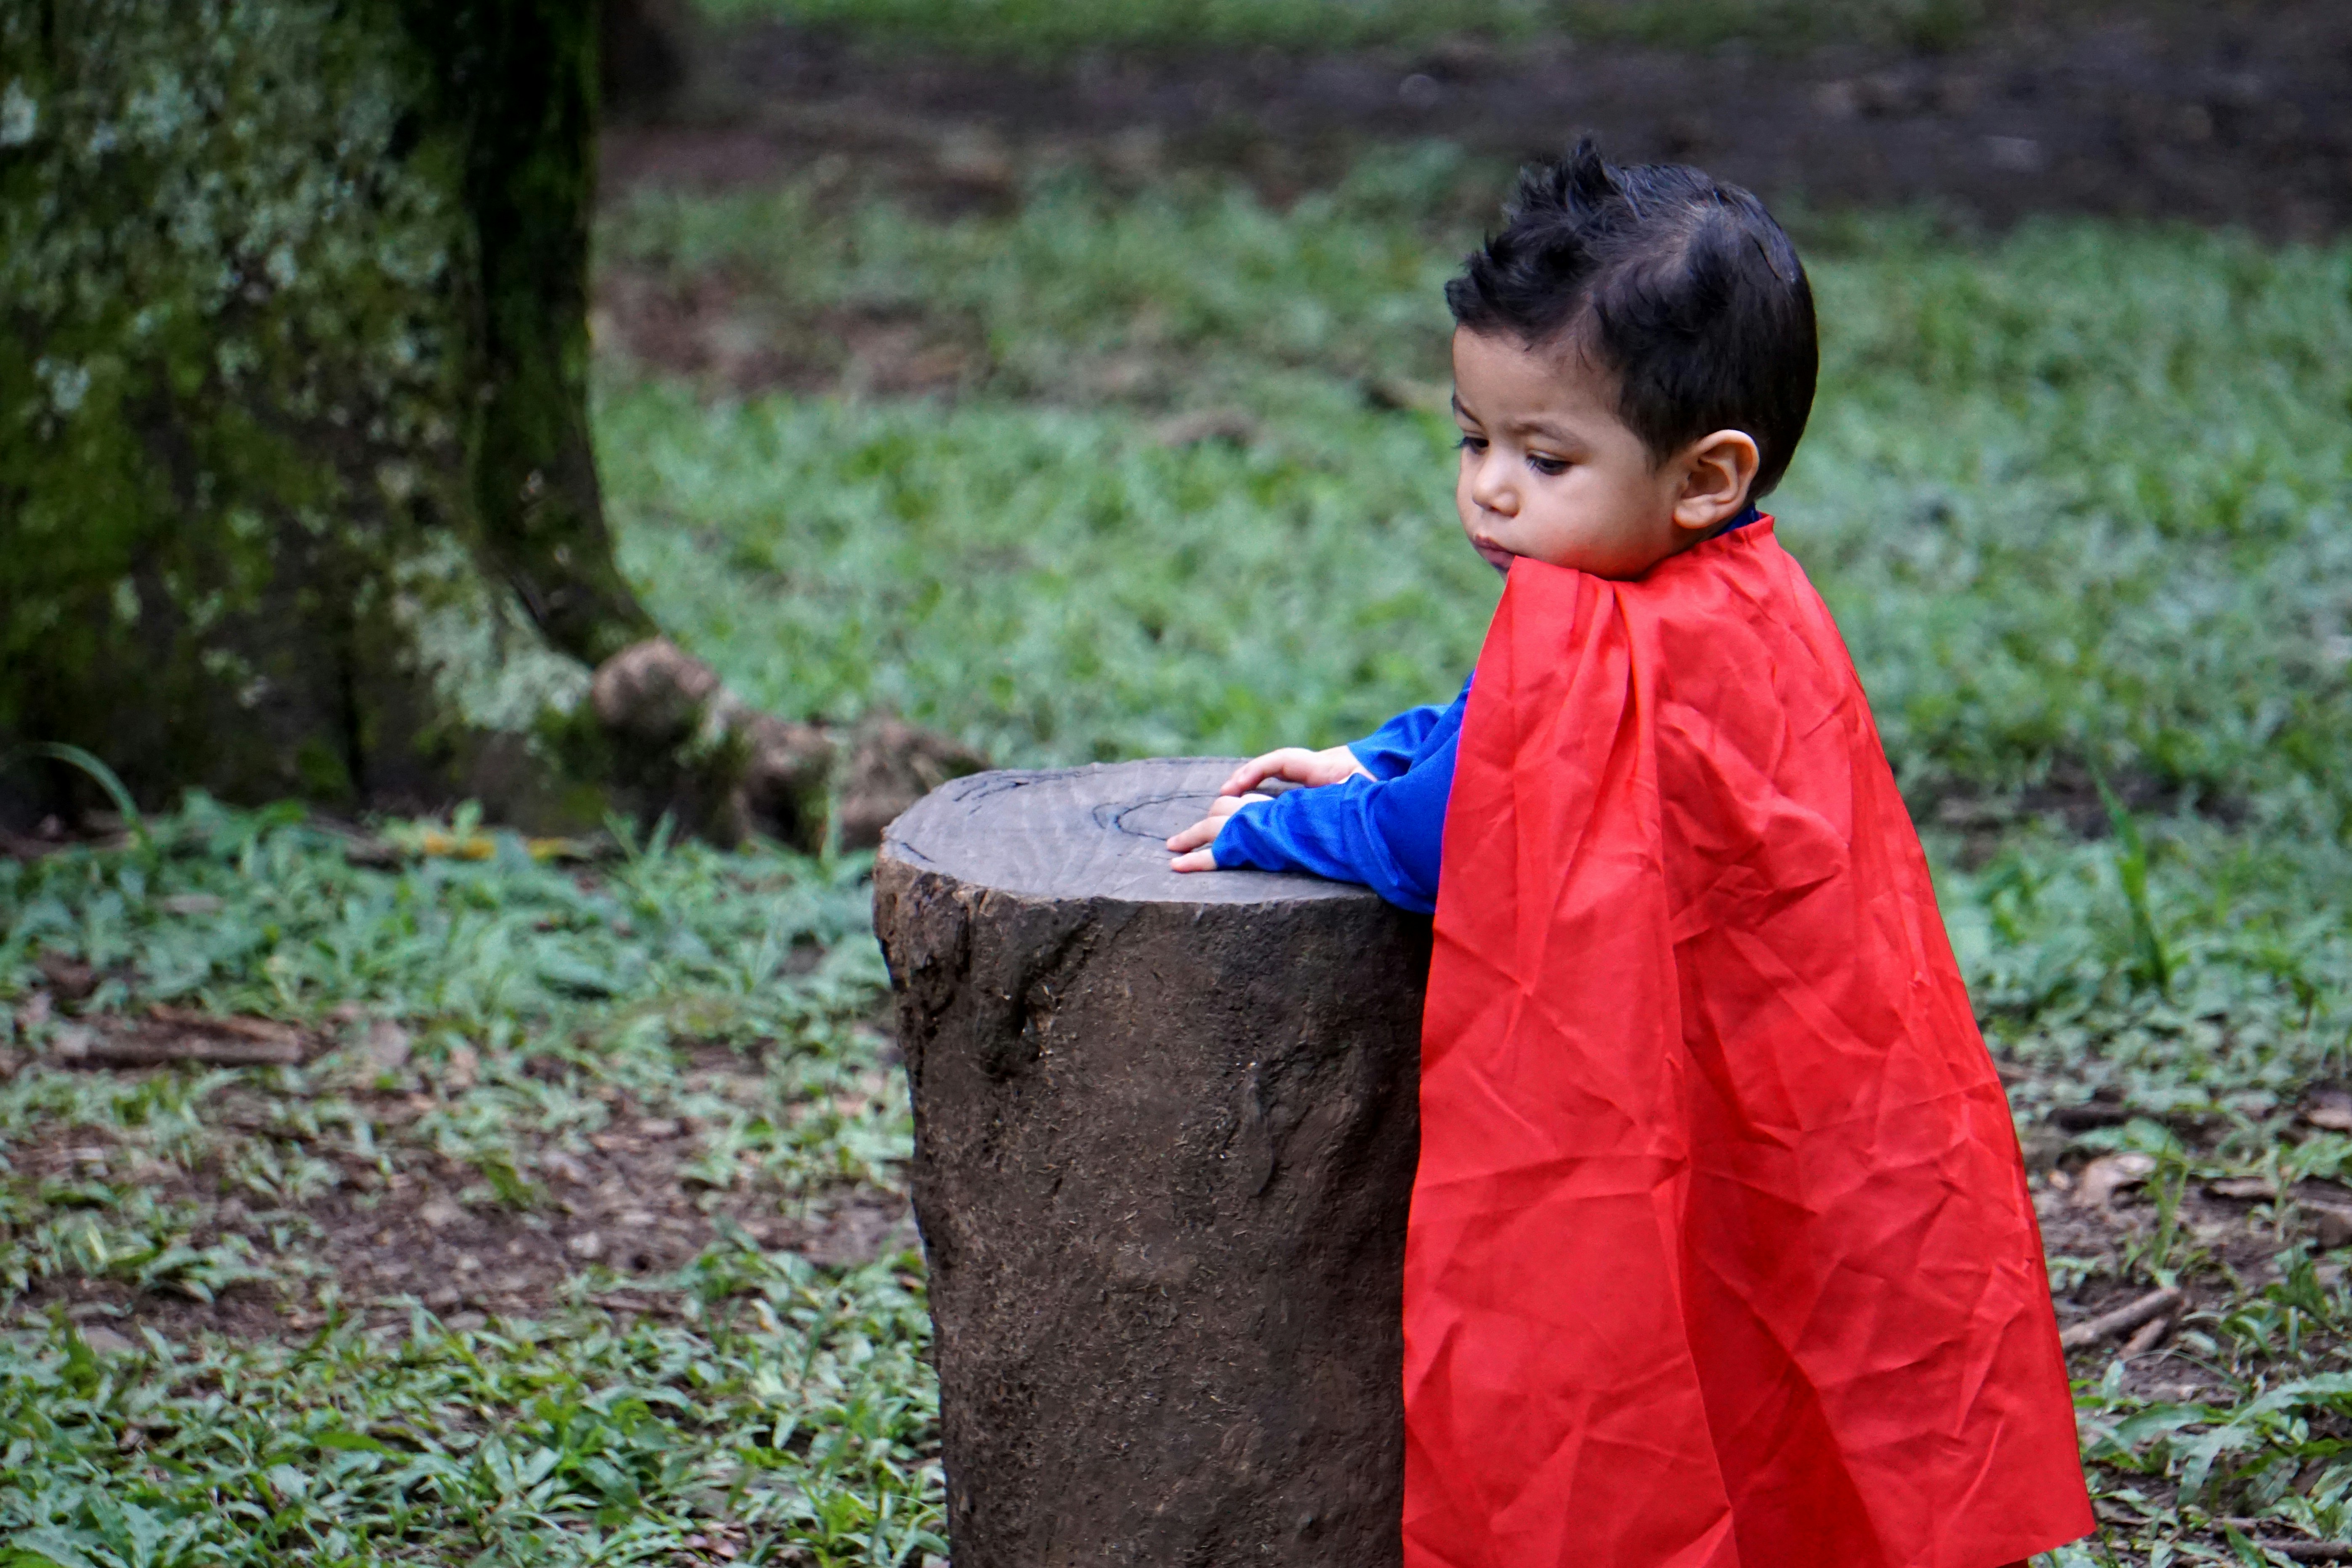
1385, 831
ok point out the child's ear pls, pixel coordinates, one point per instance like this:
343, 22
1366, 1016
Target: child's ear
1717, 472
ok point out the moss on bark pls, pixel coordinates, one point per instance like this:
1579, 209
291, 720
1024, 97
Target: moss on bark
517, 84
295, 494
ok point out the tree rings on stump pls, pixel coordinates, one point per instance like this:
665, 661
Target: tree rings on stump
1165, 1128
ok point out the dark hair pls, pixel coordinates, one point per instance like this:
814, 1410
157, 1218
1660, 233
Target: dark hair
1681, 287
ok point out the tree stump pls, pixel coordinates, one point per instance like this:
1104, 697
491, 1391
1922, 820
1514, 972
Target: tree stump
1165, 1130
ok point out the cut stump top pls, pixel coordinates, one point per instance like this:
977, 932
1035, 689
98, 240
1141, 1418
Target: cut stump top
1086, 833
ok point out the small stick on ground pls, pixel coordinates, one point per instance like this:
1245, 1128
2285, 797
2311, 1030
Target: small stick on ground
172, 1034
2150, 1308
2152, 1333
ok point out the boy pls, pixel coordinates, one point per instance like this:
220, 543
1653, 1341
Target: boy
1721, 1254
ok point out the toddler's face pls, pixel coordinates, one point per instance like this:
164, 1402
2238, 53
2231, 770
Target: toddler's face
1549, 471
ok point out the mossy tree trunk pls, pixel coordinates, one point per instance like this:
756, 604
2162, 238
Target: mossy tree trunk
514, 84
296, 488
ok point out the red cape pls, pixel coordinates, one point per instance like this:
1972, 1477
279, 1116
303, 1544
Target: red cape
1721, 1253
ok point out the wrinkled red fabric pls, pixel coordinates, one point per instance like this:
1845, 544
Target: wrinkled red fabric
1721, 1253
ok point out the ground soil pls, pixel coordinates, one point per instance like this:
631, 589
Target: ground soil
2218, 114
2244, 1235
622, 1209
428, 1234
417, 1229
623, 1212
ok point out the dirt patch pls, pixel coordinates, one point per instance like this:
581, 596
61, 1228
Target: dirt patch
602, 1221
2240, 115
716, 331
2228, 1225
2067, 799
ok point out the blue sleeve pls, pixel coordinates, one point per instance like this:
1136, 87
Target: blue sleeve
1390, 749
1384, 833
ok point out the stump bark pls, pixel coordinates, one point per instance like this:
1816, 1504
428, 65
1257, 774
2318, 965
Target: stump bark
1165, 1130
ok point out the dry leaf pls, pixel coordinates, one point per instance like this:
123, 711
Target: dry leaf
565, 1167
2331, 1227
448, 845
2103, 1178
386, 1044
192, 904
2330, 1109
2257, 1188
71, 978
104, 1341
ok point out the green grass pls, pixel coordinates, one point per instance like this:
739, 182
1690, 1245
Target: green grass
760, 1402
2078, 495
790, 1415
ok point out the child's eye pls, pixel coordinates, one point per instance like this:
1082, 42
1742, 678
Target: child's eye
1472, 443
1550, 467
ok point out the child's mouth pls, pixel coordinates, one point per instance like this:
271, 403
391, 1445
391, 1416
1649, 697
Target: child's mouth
1494, 555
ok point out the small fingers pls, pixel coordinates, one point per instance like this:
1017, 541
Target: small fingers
1297, 765
1276, 764
1249, 775
1193, 838
1198, 860
1200, 832
1188, 842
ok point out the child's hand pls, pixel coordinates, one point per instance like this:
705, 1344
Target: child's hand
1297, 766
1190, 847
1292, 764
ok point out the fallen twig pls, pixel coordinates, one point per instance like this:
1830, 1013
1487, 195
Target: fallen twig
170, 1035
101, 1051
2156, 1304
261, 1029
2152, 1333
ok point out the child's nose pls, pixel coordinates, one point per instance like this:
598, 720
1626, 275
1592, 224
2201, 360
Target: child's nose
1490, 484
